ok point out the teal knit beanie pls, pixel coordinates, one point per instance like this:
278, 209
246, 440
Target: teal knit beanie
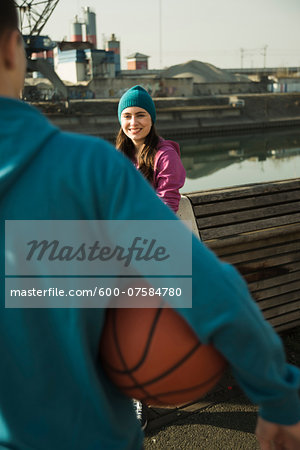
137, 96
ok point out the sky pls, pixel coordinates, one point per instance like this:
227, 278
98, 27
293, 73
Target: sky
173, 32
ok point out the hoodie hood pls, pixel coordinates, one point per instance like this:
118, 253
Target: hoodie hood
164, 144
23, 132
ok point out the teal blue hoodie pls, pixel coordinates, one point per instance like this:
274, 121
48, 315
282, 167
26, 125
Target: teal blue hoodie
53, 393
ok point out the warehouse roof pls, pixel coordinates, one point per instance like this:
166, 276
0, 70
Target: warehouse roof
201, 72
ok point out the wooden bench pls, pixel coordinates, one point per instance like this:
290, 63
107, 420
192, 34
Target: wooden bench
257, 229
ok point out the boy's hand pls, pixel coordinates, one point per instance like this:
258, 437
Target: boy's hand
272, 436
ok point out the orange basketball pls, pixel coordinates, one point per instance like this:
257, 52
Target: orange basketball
154, 356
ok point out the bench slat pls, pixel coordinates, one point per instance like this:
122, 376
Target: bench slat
269, 263
243, 191
245, 203
256, 286
290, 292
262, 253
260, 236
244, 243
282, 309
285, 323
256, 225
238, 217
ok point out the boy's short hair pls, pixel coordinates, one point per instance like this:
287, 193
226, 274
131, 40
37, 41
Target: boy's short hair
8, 16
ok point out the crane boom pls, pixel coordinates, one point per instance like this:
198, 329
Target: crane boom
34, 15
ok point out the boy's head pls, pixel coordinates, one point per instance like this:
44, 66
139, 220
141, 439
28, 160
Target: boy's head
12, 55
8, 16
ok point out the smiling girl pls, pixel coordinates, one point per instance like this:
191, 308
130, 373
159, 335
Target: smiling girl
156, 158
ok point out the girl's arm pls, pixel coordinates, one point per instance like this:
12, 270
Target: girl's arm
169, 177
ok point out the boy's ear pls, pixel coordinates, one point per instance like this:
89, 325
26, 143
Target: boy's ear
9, 48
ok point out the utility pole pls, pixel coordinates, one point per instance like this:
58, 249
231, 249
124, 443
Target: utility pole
242, 57
160, 36
265, 55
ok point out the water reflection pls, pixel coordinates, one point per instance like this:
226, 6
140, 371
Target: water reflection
234, 160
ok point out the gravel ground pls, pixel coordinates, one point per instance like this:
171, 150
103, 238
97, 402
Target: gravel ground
224, 420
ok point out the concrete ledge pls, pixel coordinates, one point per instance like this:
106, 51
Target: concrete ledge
180, 117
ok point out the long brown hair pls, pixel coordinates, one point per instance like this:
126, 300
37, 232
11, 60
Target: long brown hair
145, 158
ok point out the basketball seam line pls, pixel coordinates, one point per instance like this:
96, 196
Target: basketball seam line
163, 394
131, 376
144, 355
171, 369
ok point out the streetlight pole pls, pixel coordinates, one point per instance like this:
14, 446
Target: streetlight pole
265, 55
160, 36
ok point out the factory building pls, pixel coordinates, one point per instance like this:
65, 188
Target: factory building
83, 64
80, 60
85, 31
137, 61
90, 26
113, 45
285, 83
76, 34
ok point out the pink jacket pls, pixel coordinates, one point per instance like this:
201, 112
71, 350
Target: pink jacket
169, 173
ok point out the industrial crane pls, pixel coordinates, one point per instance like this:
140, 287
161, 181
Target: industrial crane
33, 15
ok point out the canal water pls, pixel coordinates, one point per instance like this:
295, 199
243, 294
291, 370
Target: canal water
225, 161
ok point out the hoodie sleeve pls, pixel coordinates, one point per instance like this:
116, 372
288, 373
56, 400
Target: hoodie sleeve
169, 176
223, 311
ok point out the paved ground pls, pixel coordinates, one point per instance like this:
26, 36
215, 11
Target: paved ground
223, 420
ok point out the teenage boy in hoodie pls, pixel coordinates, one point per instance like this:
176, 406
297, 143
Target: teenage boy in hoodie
53, 393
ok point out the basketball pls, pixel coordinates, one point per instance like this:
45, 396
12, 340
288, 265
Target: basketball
154, 356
